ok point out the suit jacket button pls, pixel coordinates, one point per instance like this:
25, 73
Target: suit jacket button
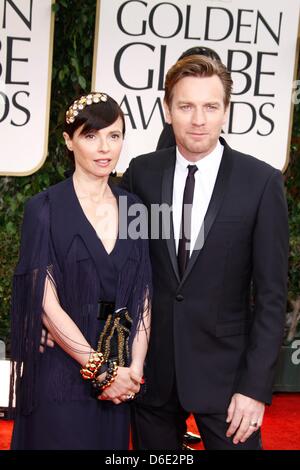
179, 298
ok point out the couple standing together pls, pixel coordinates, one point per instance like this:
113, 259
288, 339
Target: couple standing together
201, 332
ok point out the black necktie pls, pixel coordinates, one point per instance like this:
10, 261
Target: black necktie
185, 229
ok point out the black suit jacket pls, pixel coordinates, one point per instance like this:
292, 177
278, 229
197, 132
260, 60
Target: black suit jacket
166, 138
218, 330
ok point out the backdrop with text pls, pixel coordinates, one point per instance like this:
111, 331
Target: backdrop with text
137, 41
25, 78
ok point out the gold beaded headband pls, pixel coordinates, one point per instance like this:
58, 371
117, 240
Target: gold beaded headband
80, 104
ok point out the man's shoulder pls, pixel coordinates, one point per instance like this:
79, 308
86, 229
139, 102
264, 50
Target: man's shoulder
245, 162
154, 159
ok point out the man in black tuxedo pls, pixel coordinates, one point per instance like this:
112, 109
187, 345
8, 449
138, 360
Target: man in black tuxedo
167, 139
219, 288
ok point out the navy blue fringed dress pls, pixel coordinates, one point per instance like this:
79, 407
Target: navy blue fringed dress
55, 409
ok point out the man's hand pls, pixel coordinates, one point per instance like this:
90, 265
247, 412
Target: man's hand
245, 415
46, 340
122, 387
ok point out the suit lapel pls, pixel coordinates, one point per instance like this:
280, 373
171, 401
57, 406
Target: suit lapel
214, 205
167, 198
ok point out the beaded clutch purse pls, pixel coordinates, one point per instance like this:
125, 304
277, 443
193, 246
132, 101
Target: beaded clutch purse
114, 340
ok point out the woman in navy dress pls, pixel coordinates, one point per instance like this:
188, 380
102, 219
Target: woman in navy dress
77, 270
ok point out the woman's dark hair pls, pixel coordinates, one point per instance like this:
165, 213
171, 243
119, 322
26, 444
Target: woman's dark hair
94, 116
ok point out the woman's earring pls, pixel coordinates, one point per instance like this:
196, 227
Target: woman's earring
113, 173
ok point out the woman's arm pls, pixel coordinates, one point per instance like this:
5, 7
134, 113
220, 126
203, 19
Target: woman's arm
68, 336
62, 328
140, 346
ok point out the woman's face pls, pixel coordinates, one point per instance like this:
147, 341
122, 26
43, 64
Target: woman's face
98, 151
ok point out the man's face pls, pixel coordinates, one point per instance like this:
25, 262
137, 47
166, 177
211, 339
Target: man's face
197, 114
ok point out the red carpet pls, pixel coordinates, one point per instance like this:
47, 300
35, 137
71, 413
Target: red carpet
280, 431
5, 434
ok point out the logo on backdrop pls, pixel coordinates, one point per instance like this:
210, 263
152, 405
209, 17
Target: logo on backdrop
136, 45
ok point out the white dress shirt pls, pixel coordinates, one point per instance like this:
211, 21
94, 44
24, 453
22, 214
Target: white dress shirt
205, 179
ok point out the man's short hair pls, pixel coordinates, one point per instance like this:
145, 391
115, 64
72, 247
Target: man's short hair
197, 66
